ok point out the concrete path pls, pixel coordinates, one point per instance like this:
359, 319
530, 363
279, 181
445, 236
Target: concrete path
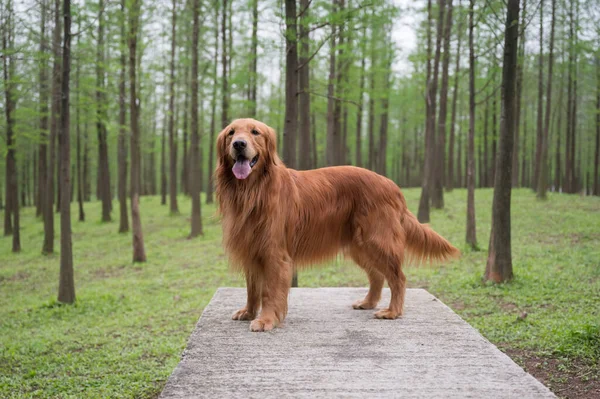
327, 349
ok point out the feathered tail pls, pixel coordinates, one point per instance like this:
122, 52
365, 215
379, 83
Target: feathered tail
424, 244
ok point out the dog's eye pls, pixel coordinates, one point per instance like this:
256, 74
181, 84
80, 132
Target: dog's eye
254, 132
231, 132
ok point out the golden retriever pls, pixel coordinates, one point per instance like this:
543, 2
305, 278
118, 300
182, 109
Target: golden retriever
275, 219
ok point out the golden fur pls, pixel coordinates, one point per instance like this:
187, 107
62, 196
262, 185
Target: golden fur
278, 218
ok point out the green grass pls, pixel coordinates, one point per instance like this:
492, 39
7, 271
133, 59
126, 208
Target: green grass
124, 335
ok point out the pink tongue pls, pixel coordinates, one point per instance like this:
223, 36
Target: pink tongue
241, 169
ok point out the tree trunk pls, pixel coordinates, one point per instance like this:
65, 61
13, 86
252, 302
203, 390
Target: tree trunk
43, 158
450, 174
524, 149
174, 209
540, 115
359, 111
290, 128
185, 161
437, 192
139, 253
78, 132
331, 154
492, 173
196, 221
163, 165
224, 77
66, 286
122, 144
596, 184
338, 151
12, 184
542, 183
48, 246
304, 161
213, 112
499, 263
471, 231
101, 117
520, 68
383, 125
253, 76
485, 167
432, 83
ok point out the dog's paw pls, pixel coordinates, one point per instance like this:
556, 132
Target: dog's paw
386, 314
242, 314
362, 304
259, 325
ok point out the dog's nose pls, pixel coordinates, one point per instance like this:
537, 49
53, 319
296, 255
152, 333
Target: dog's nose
239, 144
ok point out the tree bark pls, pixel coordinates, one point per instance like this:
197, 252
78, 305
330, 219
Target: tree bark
540, 115
290, 128
78, 133
224, 76
471, 230
542, 183
596, 184
520, 68
432, 83
304, 162
332, 141
213, 112
48, 246
253, 76
450, 169
174, 209
437, 194
43, 148
139, 253
359, 111
66, 286
196, 221
122, 143
101, 117
499, 263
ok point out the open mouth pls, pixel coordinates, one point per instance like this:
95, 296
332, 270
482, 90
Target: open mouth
243, 166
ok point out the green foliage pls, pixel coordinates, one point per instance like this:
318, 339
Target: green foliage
130, 324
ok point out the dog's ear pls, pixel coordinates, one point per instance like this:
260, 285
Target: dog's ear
271, 142
222, 145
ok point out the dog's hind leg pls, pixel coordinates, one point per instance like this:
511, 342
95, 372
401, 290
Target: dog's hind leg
376, 280
276, 283
253, 287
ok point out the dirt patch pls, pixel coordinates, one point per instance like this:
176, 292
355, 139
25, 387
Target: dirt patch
567, 378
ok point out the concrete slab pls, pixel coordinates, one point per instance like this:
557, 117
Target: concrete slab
327, 349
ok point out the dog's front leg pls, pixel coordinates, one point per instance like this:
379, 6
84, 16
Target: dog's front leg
253, 286
275, 288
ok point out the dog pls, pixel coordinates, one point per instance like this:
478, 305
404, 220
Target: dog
276, 219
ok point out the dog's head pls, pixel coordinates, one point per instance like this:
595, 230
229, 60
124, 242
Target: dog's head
246, 146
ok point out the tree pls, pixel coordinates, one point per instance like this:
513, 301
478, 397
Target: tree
290, 129
66, 286
122, 143
542, 183
48, 246
596, 189
437, 193
449, 184
43, 158
225, 84
213, 109
359, 111
139, 253
332, 139
103, 167
172, 144
304, 163
540, 115
253, 73
196, 223
11, 162
520, 69
471, 228
499, 263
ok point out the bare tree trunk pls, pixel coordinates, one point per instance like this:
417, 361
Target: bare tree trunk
359, 112
492, 173
596, 184
540, 115
304, 161
432, 83
103, 168
450, 174
471, 230
254, 61
66, 286
499, 263
174, 209
542, 184
196, 222
213, 111
331, 155
122, 144
383, 125
185, 162
437, 192
524, 148
78, 132
48, 246
520, 68
12, 184
290, 128
224, 76
43, 158
163, 165
139, 253
338, 151
485, 167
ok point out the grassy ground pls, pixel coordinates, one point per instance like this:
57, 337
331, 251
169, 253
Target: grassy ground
125, 334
